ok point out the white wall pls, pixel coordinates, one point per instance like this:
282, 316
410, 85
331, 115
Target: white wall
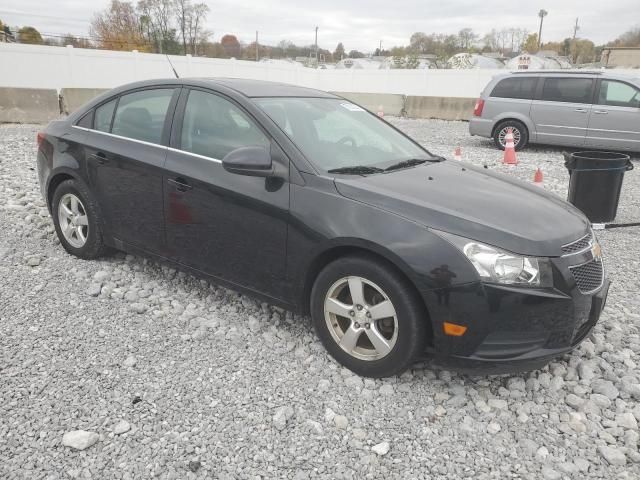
38, 66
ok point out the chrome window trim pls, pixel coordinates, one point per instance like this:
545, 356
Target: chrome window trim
170, 149
142, 142
197, 155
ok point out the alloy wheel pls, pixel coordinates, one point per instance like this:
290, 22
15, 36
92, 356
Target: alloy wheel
73, 219
503, 133
361, 318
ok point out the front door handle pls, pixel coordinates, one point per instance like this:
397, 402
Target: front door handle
180, 184
601, 112
100, 157
581, 110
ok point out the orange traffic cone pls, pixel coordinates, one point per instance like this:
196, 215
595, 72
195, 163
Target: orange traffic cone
380, 111
509, 149
538, 178
457, 154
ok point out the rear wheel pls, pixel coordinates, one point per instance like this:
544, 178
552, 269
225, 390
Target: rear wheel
367, 317
77, 219
520, 134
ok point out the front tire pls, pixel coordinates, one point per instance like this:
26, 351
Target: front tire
520, 134
77, 220
367, 316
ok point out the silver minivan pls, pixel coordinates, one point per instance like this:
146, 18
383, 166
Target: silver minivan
592, 109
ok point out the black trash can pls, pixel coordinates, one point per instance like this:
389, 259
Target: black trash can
595, 181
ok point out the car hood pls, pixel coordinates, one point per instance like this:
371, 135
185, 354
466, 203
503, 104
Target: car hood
474, 203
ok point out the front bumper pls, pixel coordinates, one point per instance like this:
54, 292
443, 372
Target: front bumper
529, 348
511, 329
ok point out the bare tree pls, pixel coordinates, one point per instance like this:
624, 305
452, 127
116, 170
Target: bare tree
195, 31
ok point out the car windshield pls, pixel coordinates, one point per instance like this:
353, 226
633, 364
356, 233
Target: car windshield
335, 134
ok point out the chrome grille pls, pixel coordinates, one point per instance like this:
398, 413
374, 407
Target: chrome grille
579, 245
589, 276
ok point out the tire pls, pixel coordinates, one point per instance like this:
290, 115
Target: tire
404, 333
93, 245
520, 134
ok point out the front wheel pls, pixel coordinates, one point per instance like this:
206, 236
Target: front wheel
367, 317
519, 131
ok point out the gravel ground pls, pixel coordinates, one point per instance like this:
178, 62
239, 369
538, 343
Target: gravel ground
172, 377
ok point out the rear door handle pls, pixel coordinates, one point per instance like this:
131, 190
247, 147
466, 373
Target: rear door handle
180, 184
601, 112
581, 110
100, 157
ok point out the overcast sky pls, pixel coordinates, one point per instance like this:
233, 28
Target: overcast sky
359, 24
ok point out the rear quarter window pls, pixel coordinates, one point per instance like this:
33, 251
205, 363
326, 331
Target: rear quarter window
520, 87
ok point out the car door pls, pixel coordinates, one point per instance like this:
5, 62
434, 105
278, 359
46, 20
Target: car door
125, 152
561, 110
227, 225
615, 117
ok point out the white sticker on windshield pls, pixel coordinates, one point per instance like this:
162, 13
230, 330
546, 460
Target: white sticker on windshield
352, 108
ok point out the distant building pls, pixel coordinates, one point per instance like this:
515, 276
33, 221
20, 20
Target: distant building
622, 57
541, 61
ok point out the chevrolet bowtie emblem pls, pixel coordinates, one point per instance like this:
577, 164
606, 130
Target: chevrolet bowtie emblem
596, 251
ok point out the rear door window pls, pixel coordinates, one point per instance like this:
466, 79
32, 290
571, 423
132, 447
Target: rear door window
213, 126
103, 116
569, 90
141, 115
618, 94
515, 87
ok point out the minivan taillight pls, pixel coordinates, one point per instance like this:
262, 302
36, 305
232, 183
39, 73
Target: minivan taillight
40, 138
477, 110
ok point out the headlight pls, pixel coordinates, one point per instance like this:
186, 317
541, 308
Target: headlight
501, 267
497, 266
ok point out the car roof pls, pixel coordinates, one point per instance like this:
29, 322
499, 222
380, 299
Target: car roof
610, 74
246, 87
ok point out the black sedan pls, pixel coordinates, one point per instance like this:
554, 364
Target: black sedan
307, 200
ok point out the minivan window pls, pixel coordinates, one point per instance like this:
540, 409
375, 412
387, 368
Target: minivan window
570, 90
213, 126
618, 94
87, 120
103, 116
140, 115
515, 87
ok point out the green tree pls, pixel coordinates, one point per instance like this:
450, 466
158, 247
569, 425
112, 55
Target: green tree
356, 54
29, 35
338, 54
531, 44
118, 27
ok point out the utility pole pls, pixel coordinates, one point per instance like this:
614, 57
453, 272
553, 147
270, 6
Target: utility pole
257, 54
380, 49
575, 29
542, 13
316, 47
575, 45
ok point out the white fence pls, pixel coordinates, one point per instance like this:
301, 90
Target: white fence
35, 66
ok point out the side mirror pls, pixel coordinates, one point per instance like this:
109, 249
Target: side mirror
251, 161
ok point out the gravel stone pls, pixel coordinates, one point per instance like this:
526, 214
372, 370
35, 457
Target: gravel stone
550, 474
612, 455
341, 421
381, 448
282, 416
80, 439
121, 427
130, 361
246, 390
627, 420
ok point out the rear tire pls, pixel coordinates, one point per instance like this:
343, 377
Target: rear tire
77, 220
520, 134
377, 333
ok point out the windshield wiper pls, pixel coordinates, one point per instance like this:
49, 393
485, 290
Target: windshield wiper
412, 162
356, 170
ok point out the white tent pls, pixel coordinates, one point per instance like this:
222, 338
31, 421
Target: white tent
465, 61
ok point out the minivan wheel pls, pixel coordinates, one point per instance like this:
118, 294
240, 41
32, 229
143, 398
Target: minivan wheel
77, 220
520, 134
367, 317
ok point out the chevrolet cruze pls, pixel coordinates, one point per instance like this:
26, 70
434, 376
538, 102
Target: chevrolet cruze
308, 201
